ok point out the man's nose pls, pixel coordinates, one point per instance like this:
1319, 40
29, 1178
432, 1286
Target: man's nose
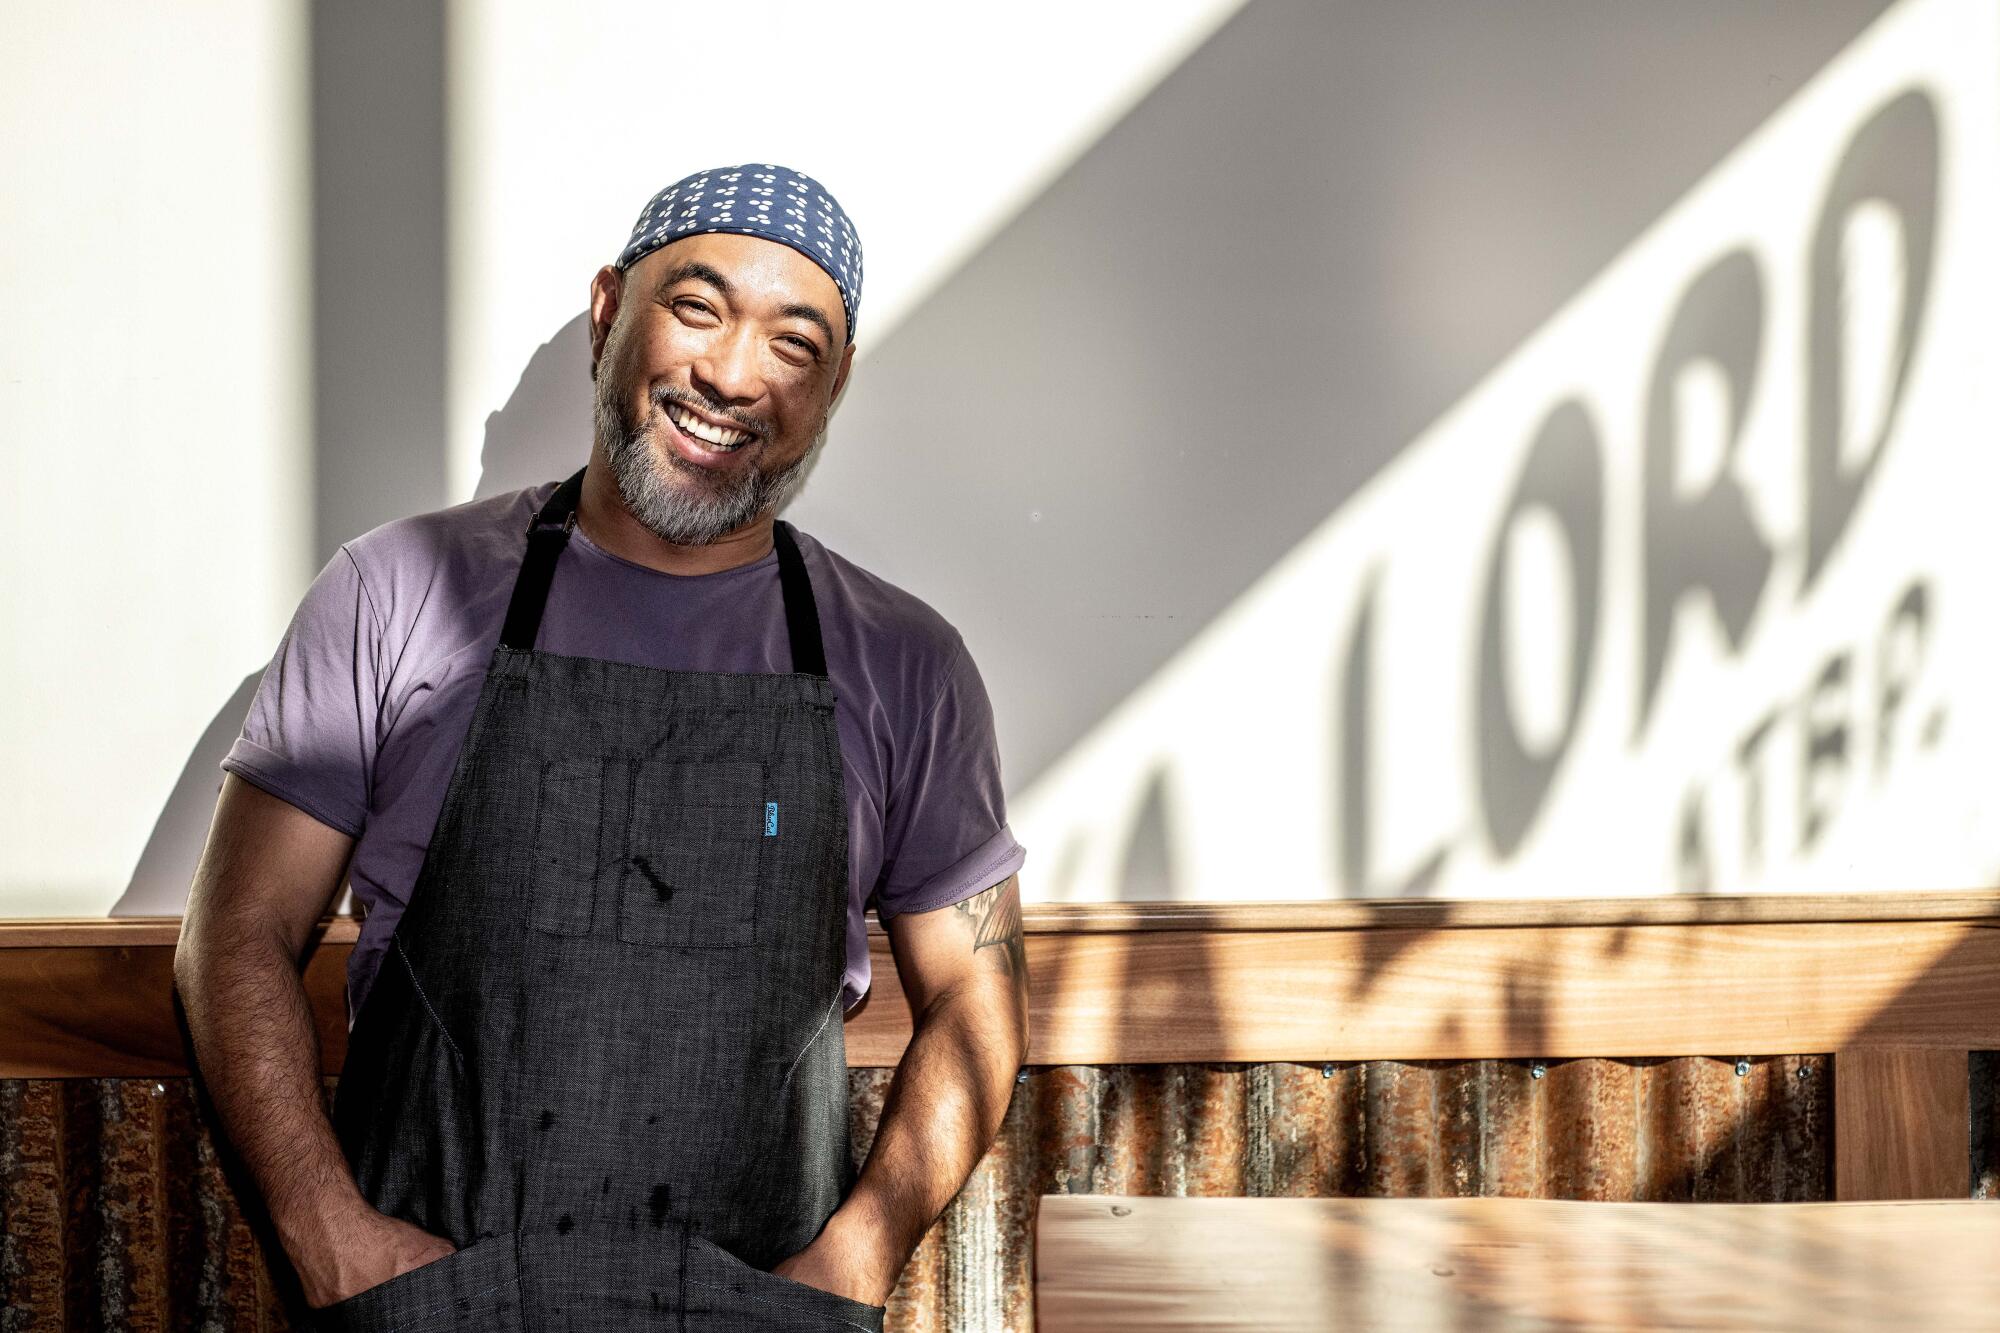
727, 369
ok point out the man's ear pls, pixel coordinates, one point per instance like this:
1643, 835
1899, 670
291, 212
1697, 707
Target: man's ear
607, 289
840, 376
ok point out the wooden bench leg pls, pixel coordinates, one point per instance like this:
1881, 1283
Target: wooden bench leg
1901, 1124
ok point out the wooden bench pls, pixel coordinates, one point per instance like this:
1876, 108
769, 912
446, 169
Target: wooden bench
1106, 1264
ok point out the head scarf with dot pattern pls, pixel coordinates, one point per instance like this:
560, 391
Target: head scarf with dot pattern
756, 199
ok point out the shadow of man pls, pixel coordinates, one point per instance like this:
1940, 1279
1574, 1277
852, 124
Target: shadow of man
541, 433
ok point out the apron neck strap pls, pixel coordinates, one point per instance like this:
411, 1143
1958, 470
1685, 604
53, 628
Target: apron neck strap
549, 533
801, 611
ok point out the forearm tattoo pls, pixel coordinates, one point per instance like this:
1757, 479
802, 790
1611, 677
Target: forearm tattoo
995, 917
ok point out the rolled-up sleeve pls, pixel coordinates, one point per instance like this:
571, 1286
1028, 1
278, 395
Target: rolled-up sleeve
945, 834
310, 737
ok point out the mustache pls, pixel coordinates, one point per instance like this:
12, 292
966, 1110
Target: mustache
667, 393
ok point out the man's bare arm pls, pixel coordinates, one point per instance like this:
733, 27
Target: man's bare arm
267, 875
965, 972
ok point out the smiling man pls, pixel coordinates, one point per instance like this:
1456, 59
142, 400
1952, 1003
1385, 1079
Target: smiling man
615, 766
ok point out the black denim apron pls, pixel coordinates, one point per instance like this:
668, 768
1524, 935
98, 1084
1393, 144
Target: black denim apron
603, 1055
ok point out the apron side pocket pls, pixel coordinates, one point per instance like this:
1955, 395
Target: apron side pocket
750, 1296
477, 1287
562, 867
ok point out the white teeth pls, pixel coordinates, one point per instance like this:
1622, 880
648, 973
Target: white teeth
718, 436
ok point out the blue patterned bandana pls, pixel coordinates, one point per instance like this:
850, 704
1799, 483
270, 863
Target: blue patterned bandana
756, 199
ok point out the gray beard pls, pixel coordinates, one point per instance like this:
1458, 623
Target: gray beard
675, 500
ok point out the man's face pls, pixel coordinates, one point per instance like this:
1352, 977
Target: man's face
718, 359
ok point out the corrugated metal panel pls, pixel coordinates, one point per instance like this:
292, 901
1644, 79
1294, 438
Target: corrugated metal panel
1985, 1079
117, 1213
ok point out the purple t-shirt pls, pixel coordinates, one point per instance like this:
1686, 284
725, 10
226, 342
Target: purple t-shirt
360, 716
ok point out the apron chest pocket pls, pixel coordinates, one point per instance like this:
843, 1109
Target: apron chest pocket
563, 866
694, 854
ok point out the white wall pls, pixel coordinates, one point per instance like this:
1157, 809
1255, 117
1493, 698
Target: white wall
155, 414
930, 123
156, 280
152, 410
1454, 685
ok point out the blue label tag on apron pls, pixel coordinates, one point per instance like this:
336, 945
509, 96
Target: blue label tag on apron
770, 819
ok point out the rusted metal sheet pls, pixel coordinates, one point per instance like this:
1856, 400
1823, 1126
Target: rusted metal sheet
1985, 1083
116, 1211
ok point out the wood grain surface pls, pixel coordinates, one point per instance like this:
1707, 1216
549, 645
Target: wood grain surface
1112, 1263
1478, 913
100, 1005
1501, 991
1901, 1125
95, 997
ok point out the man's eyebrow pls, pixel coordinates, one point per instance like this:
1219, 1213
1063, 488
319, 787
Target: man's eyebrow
697, 270
812, 314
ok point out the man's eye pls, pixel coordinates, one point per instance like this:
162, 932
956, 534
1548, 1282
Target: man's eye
692, 304
802, 345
